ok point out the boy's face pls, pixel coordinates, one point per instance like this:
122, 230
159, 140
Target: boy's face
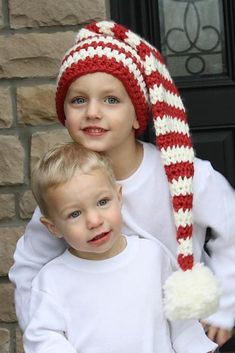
86, 212
100, 114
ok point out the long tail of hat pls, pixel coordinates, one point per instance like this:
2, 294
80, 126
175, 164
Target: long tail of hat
191, 292
171, 128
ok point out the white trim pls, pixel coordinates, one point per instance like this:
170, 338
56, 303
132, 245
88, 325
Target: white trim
106, 27
182, 186
132, 39
183, 218
152, 64
177, 154
185, 247
83, 34
168, 124
160, 94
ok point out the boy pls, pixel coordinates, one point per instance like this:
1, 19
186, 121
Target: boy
104, 293
110, 82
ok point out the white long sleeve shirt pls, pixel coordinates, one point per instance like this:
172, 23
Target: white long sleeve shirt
147, 211
108, 306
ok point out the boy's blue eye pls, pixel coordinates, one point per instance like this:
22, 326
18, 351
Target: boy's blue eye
75, 214
78, 100
111, 100
102, 202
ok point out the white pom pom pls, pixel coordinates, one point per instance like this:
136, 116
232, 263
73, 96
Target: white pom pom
191, 294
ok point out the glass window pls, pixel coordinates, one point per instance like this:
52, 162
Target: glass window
192, 36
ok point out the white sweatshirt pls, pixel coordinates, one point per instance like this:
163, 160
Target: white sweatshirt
147, 211
108, 306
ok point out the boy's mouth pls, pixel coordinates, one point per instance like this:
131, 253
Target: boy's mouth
100, 237
94, 130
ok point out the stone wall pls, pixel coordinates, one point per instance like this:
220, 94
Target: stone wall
33, 37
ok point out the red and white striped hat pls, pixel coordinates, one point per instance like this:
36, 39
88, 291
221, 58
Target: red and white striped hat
111, 48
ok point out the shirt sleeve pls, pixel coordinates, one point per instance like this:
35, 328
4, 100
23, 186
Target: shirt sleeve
34, 249
188, 336
45, 332
215, 208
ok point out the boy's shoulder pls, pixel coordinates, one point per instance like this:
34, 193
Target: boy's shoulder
151, 150
52, 272
202, 167
204, 173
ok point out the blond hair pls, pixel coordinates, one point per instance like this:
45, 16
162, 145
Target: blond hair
60, 164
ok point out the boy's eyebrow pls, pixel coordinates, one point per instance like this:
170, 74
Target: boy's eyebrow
74, 91
110, 91
67, 209
77, 204
103, 91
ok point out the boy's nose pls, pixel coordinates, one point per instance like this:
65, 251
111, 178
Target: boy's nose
93, 110
94, 220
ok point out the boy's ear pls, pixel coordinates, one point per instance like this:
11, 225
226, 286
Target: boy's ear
50, 226
136, 124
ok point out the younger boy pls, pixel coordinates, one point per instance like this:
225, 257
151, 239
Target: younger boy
104, 293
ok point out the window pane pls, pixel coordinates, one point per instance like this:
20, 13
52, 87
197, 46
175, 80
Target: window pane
192, 36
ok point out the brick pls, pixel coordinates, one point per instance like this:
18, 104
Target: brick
19, 343
7, 206
45, 13
1, 15
4, 340
11, 160
33, 54
42, 141
8, 239
7, 307
6, 115
36, 105
27, 205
